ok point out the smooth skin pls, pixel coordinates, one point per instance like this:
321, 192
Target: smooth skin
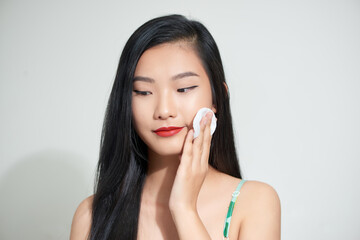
183, 196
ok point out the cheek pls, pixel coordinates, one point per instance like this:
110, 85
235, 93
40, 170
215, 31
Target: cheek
193, 104
139, 113
202, 100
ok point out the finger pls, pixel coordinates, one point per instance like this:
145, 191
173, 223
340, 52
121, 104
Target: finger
206, 141
198, 142
199, 139
187, 151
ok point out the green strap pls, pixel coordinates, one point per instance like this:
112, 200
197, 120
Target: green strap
231, 208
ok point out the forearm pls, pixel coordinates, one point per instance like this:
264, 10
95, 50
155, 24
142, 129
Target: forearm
189, 225
189, 179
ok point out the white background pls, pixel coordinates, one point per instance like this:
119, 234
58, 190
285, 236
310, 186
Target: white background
293, 69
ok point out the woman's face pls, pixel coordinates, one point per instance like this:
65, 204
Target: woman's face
170, 86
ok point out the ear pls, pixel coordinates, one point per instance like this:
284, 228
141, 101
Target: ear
213, 108
226, 87
227, 91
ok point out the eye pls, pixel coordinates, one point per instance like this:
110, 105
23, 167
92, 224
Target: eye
143, 93
186, 89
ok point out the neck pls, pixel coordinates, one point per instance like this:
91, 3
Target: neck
160, 178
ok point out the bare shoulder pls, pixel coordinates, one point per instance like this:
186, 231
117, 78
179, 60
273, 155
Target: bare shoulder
260, 194
81, 223
261, 211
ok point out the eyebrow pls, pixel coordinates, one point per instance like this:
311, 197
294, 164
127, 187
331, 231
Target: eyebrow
176, 77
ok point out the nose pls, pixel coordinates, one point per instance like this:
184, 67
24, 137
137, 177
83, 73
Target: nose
165, 107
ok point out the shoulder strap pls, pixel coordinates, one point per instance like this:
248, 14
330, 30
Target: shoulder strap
231, 208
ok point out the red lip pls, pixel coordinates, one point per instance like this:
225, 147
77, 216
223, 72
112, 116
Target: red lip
167, 131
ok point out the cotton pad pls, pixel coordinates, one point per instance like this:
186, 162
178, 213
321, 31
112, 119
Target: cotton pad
199, 115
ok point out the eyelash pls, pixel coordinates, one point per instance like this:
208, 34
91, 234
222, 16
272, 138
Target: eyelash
143, 93
188, 88
180, 90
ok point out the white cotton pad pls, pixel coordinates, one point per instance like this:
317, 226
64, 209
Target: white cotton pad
199, 115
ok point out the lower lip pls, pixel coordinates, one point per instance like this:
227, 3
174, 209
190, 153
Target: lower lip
168, 133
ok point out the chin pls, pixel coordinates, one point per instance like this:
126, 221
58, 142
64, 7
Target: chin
167, 151
167, 148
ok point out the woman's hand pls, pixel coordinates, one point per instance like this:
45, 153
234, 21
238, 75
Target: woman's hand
192, 170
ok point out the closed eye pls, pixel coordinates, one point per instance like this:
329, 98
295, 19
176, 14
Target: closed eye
186, 89
143, 93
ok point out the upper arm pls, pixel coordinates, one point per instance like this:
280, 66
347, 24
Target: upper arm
263, 213
81, 223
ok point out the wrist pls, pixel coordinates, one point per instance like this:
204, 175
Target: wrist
188, 223
182, 209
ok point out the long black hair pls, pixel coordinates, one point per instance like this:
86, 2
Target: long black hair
123, 160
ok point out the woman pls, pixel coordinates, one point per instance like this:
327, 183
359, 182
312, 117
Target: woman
155, 181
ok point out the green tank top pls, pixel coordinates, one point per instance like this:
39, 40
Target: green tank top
230, 210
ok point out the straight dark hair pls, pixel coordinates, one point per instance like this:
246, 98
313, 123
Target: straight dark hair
123, 159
